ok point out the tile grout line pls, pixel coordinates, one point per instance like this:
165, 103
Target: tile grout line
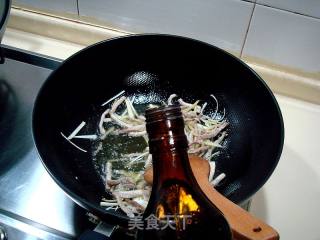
78, 11
286, 10
247, 32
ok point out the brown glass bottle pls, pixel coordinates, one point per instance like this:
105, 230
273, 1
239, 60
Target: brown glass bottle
177, 208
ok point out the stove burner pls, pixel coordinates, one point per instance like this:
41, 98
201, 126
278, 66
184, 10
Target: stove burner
7, 100
8, 113
8, 110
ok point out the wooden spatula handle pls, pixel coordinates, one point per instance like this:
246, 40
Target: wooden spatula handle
244, 226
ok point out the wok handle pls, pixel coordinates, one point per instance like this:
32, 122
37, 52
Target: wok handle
244, 226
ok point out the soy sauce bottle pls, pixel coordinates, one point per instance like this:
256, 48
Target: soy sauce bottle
177, 209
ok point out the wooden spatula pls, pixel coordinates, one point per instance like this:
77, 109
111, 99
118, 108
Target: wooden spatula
244, 226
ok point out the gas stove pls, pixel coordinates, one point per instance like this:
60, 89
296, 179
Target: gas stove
32, 206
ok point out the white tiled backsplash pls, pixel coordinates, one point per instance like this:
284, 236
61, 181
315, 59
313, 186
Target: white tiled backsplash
206, 20
254, 29
305, 7
284, 38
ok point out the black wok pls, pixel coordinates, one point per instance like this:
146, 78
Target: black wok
151, 67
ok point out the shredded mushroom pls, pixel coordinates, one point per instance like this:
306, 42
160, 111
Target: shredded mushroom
205, 134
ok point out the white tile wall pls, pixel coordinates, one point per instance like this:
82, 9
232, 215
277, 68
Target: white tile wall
284, 38
290, 200
306, 7
220, 22
66, 6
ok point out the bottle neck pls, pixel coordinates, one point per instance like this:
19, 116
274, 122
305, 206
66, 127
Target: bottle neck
168, 144
171, 164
